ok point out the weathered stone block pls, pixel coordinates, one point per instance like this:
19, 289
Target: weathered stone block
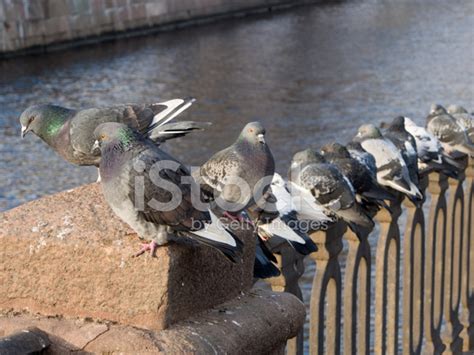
79, 6
69, 255
109, 4
35, 10
138, 11
257, 322
156, 9
121, 3
57, 8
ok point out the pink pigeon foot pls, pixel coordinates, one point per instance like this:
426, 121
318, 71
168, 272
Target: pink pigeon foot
151, 247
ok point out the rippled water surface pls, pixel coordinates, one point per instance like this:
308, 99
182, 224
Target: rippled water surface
310, 74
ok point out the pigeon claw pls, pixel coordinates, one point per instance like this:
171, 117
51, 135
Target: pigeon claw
151, 247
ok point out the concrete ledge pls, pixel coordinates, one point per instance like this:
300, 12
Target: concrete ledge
257, 322
68, 255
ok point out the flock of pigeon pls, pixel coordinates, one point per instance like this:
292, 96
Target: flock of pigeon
163, 200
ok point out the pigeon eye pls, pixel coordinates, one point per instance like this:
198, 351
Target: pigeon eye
102, 136
250, 130
31, 119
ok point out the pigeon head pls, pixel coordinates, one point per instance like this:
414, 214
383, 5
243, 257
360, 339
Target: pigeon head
305, 157
454, 109
397, 124
367, 131
336, 150
254, 133
437, 109
113, 134
43, 120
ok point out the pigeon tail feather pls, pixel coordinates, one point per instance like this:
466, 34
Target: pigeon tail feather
173, 108
355, 215
279, 228
263, 267
215, 235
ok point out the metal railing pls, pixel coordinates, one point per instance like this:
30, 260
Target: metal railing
423, 297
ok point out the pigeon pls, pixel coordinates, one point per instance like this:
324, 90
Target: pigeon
70, 132
151, 191
368, 191
357, 152
289, 205
395, 132
452, 135
329, 187
231, 176
463, 118
272, 222
392, 170
431, 155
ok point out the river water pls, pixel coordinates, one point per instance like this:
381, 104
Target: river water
311, 75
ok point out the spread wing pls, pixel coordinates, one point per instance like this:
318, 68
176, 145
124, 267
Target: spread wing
137, 116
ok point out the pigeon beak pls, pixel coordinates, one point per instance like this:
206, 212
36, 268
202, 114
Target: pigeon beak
261, 138
95, 147
24, 131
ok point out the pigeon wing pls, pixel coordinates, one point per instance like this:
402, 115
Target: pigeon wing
181, 216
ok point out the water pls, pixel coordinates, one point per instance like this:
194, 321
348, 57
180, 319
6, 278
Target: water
311, 75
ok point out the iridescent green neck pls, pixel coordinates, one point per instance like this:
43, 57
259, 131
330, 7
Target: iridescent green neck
52, 121
126, 136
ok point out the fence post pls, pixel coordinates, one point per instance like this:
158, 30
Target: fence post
434, 264
467, 268
292, 268
413, 282
325, 324
387, 272
357, 294
452, 257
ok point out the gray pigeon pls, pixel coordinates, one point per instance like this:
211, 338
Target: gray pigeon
431, 155
70, 132
395, 131
234, 176
464, 118
452, 135
357, 152
283, 223
230, 177
368, 192
329, 188
160, 207
392, 170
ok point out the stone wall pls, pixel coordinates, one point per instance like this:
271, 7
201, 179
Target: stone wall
38, 23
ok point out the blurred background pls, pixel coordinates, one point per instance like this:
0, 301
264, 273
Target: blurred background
311, 74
